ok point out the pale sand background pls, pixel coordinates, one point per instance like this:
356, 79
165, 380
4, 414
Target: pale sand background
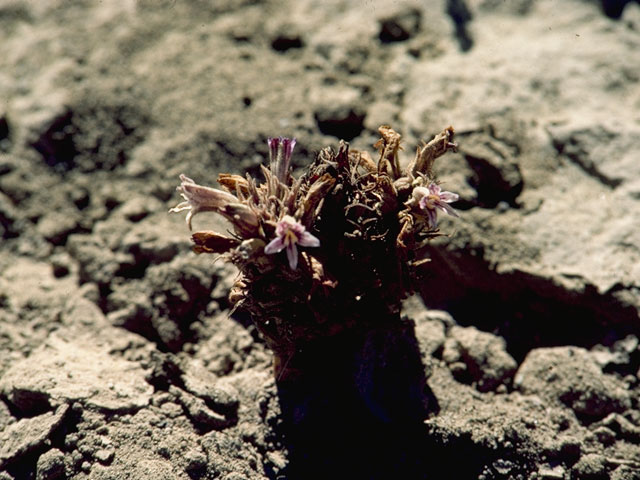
533, 356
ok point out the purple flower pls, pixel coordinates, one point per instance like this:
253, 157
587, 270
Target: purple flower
290, 232
432, 198
280, 151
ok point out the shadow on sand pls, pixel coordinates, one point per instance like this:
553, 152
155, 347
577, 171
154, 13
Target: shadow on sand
355, 408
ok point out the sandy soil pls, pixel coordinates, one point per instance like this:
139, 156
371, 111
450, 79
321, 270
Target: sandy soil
118, 357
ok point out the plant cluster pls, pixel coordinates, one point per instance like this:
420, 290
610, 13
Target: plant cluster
337, 248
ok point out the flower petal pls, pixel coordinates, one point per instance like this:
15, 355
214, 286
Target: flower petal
432, 218
292, 256
274, 246
446, 208
423, 203
189, 217
180, 207
287, 146
434, 189
273, 148
449, 197
307, 240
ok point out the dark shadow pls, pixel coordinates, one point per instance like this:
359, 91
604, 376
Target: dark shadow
356, 407
614, 8
528, 310
57, 145
461, 16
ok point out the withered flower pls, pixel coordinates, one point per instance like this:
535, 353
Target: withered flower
200, 199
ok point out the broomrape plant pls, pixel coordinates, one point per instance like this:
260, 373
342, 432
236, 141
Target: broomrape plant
352, 229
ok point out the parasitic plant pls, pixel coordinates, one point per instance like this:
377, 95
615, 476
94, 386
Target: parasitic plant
334, 250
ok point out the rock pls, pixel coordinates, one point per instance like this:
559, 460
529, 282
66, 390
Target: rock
339, 112
196, 462
104, 456
430, 325
570, 375
28, 434
400, 26
153, 240
137, 208
50, 465
496, 175
221, 397
430, 335
56, 227
156, 469
484, 355
590, 467
98, 263
198, 411
83, 371
622, 427
625, 472
162, 306
604, 435
9, 215
81, 311
556, 473
579, 168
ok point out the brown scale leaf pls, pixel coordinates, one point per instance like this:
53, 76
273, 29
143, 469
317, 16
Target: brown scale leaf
212, 242
243, 218
389, 145
425, 156
313, 197
235, 184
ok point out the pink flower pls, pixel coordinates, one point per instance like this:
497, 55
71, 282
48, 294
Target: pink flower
290, 232
432, 198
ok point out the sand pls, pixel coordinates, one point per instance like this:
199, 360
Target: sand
119, 358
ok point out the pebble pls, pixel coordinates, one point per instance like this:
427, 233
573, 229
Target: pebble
28, 434
590, 467
483, 354
104, 456
50, 465
198, 412
570, 376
